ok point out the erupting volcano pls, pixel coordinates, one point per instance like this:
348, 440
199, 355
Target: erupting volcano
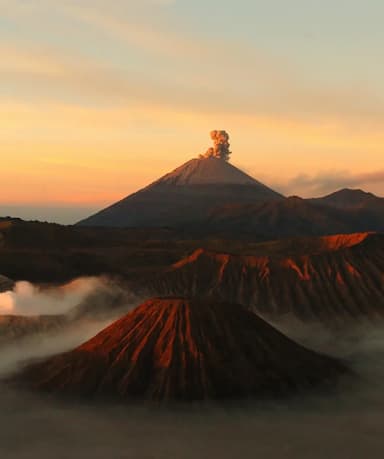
179, 349
188, 194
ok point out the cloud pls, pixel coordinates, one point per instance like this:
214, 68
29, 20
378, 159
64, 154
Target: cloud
161, 2
46, 343
36, 74
202, 72
250, 80
171, 66
347, 426
19, 60
29, 300
327, 182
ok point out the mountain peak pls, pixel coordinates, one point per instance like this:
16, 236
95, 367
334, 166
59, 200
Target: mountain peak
188, 194
348, 198
352, 192
206, 171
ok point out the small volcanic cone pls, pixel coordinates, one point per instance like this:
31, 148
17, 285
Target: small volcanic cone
179, 349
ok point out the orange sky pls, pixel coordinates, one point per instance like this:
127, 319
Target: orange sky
97, 102
87, 156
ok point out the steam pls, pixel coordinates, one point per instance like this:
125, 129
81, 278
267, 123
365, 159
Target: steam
28, 299
46, 343
345, 427
220, 147
54, 319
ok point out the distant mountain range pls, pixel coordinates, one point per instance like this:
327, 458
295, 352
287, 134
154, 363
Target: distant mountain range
350, 199
345, 211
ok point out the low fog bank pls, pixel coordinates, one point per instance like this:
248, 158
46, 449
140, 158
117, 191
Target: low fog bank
34, 429
361, 344
29, 300
347, 426
43, 321
37, 346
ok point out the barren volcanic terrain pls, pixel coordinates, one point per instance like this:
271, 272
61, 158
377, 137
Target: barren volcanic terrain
178, 349
331, 279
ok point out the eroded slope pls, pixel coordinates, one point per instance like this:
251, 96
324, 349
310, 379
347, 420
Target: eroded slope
178, 349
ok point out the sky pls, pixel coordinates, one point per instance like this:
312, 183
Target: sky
100, 98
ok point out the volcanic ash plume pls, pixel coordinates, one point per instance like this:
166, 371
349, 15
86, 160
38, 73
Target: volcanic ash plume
220, 147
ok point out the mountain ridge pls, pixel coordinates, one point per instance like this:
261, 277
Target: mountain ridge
348, 198
295, 216
332, 280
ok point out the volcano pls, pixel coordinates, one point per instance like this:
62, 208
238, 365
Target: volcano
179, 349
188, 194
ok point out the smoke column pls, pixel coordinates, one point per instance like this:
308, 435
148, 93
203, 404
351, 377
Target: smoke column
220, 149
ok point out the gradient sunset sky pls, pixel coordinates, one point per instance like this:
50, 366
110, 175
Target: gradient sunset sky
99, 98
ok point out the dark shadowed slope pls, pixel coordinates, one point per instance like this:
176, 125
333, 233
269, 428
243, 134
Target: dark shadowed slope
350, 199
288, 217
294, 217
332, 279
366, 209
187, 194
44, 252
173, 348
5, 284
